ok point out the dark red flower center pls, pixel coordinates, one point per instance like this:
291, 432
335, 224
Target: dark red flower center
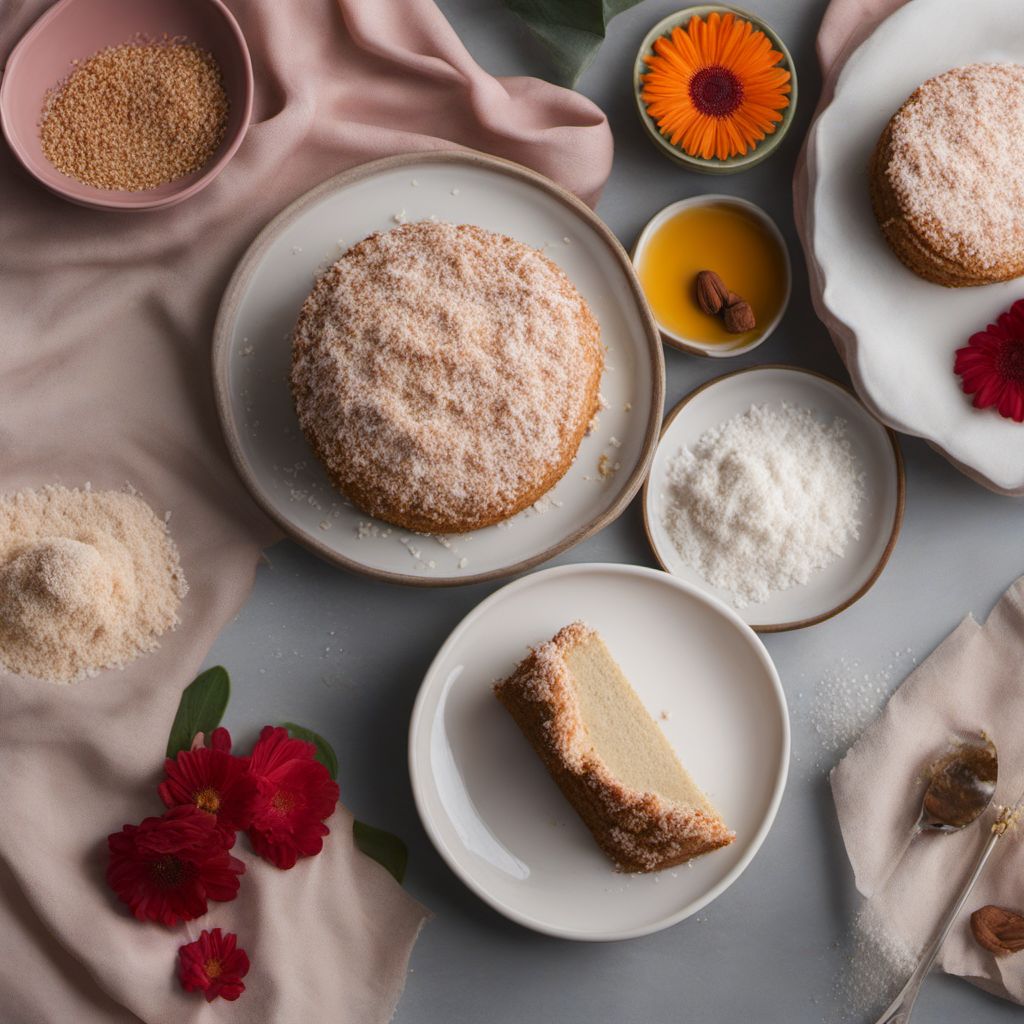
208, 800
170, 871
716, 91
1010, 361
283, 801
213, 967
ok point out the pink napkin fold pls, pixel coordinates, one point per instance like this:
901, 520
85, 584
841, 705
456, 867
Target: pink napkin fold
104, 377
973, 682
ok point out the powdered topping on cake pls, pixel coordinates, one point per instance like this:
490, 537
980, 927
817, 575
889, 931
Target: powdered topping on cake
445, 375
599, 756
956, 163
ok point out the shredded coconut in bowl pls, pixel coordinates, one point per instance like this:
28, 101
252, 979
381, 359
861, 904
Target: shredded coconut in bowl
764, 500
88, 580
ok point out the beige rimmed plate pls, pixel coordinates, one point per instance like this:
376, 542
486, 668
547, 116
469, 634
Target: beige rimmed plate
831, 589
252, 357
496, 816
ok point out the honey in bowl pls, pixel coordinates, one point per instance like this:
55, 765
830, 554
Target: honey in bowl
733, 242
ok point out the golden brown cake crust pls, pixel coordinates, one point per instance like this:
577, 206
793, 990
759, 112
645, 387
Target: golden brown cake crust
639, 832
445, 375
947, 177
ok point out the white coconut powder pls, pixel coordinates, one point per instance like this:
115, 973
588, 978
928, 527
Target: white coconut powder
88, 580
764, 500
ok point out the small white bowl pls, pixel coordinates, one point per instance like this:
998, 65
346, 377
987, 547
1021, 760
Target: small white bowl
716, 349
834, 588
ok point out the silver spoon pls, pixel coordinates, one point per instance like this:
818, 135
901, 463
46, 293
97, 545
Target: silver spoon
959, 790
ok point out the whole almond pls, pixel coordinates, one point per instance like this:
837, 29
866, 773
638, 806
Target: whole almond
712, 294
739, 317
999, 931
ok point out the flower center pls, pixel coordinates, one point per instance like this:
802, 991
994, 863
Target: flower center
716, 91
213, 967
283, 801
1010, 361
170, 871
208, 800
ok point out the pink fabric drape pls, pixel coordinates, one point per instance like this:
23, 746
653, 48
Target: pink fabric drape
104, 377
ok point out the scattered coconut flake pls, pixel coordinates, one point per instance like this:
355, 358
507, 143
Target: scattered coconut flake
877, 963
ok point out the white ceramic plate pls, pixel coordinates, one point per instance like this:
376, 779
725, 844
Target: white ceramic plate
837, 586
252, 356
896, 332
499, 820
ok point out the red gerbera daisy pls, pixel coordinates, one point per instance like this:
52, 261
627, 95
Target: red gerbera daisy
213, 965
210, 779
167, 868
296, 794
991, 366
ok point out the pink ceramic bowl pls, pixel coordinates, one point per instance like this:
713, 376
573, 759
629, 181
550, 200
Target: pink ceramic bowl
75, 30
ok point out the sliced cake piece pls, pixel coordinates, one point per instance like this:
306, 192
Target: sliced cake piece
608, 755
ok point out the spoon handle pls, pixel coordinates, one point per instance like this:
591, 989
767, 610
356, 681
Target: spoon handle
903, 1005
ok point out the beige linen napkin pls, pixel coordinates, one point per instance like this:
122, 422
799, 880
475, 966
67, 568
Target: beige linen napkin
973, 682
104, 377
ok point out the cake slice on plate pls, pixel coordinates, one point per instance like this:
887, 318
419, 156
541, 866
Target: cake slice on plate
608, 755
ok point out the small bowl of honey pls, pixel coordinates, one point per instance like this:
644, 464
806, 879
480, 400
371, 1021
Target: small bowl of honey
751, 276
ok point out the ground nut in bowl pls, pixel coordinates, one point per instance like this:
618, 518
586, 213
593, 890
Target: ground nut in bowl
195, 52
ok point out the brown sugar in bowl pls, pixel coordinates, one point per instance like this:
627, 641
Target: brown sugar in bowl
75, 30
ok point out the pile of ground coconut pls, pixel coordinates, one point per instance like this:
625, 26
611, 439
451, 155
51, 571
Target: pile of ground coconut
88, 580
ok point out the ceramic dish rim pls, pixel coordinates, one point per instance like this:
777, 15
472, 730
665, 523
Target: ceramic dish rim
901, 489
715, 349
417, 724
763, 149
844, 335
251, 259
123, 203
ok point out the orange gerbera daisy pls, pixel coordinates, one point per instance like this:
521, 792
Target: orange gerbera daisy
715, 88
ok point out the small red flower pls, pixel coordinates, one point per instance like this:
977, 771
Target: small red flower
213, 965
296, 795
991, 366
167, 868
212, 780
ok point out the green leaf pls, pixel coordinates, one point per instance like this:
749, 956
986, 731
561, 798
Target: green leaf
383, 847
324, 751
202, 707
572, 30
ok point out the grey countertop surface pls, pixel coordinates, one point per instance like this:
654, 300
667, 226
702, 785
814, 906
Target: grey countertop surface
345, 655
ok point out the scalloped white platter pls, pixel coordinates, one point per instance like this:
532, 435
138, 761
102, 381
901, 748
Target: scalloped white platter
896, 332
497, 817
252, 358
